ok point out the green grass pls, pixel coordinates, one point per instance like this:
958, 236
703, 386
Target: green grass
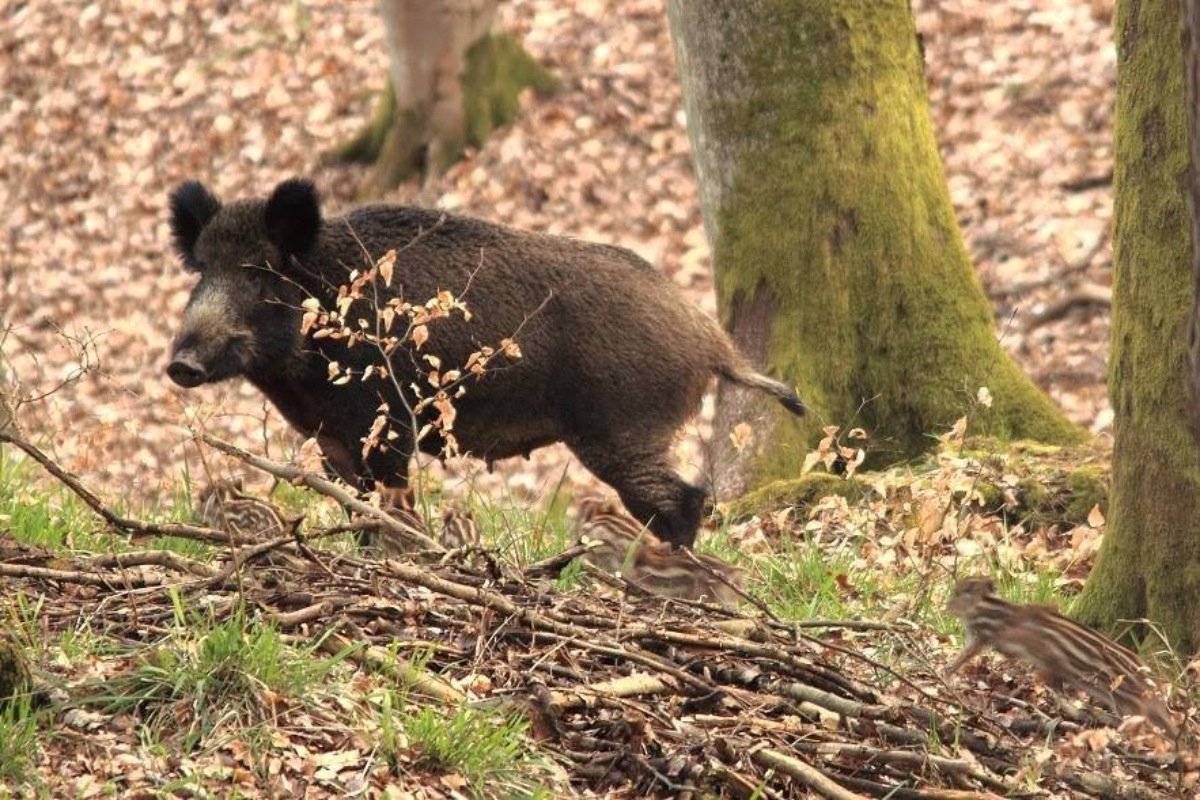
21, 614
804, 581
43, 518
81, 642
18, 743
48, 515
489, 751
524, 534
208, 675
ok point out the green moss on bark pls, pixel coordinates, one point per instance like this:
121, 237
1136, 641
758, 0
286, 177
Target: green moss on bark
840, 213
795, 493
15, 679
1058, 485
1149, 563
400, 144
498, 70
365, 146
1088, 489
1053, 485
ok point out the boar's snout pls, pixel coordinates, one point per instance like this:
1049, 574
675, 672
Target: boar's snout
186, 370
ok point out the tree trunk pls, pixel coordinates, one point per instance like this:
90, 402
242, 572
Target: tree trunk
1149, 563
839, 264
1191, 86
451, 81
8, 422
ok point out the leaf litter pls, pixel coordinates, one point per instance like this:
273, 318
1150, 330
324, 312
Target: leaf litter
113, 103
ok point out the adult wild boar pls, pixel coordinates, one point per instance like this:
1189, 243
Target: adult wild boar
612, 360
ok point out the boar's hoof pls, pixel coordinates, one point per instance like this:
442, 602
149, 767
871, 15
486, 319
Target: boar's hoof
186, 371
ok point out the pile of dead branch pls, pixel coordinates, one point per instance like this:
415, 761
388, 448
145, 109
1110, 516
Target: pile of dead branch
633, 694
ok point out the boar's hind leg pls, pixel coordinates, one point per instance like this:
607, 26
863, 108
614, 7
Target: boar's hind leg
648, 486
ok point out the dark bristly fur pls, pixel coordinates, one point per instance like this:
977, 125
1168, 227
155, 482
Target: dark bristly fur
613, 361
1065, 651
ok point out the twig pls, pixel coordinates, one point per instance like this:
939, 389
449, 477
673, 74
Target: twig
810, 776
739, 591
113, 519
77, 576
321, 610
910, 759
246, 556
157, 558
326, 487
378, 659
552, 566
636, 685
902, 793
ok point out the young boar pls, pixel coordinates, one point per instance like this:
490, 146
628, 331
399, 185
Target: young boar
612, 360
626, 547
223, 505
1065, 652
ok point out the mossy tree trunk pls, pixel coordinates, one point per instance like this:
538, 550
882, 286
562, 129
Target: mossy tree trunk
451, 81
1149, 563
1191, 88
839, 264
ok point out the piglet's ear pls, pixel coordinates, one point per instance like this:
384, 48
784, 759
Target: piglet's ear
192, 206
293, 217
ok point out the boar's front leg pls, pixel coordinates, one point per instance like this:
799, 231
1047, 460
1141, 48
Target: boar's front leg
386, 466
640, 471
384, 470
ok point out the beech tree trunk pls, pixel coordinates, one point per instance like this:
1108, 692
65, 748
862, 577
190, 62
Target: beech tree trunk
451, 81
1191, 87
1149, 562
839, 264
8, 423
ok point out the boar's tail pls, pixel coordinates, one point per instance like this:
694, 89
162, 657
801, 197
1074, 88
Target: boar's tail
753, 380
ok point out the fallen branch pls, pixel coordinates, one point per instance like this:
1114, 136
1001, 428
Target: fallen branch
380, 660
1084, 295
153, 558
114, 520
108, 581
642, 696
811, 777
297, 476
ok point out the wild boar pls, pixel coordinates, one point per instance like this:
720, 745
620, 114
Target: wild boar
612, 360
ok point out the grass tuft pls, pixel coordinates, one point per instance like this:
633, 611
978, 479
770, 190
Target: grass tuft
236, 671
490, 752
18, 741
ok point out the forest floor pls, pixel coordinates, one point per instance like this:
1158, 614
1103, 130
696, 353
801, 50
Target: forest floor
110, 105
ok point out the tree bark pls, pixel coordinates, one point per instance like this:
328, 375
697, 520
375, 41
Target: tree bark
839, 264
1191, 86
451, 81
7, 418
1149, 562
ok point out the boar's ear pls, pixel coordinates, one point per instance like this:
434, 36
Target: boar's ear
293, 217
192, 206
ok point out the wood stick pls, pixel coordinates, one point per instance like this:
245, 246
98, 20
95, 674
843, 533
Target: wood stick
114, 520
295, 475
810, 776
